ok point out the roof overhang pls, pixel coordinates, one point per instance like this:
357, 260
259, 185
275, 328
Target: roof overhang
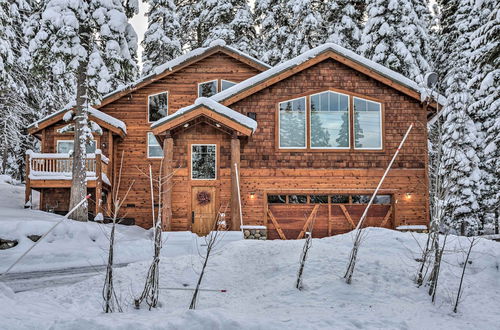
211, 110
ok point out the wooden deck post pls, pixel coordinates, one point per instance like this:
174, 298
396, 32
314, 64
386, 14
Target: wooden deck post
167, 174
27, 190
235, 159
98, 183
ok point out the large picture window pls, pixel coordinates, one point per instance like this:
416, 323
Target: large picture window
207, 89
329, 120
203, 161
66, 146
367, 124
157, 106
154, 148
292, 124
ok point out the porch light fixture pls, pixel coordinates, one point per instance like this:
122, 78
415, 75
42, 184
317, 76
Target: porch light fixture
252, 195
408, 195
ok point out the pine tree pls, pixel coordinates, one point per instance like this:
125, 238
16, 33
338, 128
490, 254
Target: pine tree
161, 40
274, 20
343, 22
460, 137
305, 27
485, 63
396, 37
94, 41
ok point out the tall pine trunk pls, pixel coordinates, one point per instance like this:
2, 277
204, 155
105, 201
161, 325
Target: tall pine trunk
79, 183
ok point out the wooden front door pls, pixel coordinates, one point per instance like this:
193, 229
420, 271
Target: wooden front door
203, 210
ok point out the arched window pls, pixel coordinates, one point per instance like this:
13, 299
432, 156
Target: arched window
292, 124
329, 120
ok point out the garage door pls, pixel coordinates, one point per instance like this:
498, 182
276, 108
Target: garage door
288, 215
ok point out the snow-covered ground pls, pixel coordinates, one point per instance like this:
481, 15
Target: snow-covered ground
259, 278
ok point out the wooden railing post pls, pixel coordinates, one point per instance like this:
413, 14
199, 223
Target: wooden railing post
235, 163
167, 174
27, 191
98, 182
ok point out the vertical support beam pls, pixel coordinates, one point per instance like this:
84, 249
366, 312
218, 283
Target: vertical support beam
235, 159
27, 190
98, 182
167, 177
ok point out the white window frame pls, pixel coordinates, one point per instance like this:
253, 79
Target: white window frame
209, 81
148, 145
305, 124
168, 101
348, 117
354, 126
229, 81
72, 141
191, 160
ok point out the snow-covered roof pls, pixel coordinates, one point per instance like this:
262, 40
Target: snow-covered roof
172, 64
285, 66
68, 114
214, 106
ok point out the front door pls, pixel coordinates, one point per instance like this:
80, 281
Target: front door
203, 210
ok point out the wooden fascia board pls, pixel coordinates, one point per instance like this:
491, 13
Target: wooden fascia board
202, 111
315, 60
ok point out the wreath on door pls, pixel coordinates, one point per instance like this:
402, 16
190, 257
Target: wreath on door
203, 197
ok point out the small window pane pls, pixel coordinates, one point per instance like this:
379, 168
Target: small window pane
292, 122
203, 162
315, 102
360, 199
318, 199
207, 89
382, 199
226, 84
276, 199
330, 122
340, 199
297, 199
66, 146
158, 106
154, 148
367, 124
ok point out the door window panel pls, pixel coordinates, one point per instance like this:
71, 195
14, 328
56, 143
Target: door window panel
203, 161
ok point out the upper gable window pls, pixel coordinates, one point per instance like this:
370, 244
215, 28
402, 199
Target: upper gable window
207, 89
154, 148
367, 124
67, 146
157, 106
329, 118
292, 124
225, 84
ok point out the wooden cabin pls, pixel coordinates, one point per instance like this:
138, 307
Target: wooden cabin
309, 138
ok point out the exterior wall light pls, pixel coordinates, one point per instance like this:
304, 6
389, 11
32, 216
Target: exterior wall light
408, 195
252, 195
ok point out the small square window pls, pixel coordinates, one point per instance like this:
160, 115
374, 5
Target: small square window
297, 199
360, 199
154, 148
157, 106
207, 89
276, 199
340, 199
318, 199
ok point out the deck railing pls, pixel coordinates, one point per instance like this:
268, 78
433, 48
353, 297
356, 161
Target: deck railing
54, 166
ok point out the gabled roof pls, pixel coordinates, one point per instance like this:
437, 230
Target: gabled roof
206, 107
316, 55
102, 119
182, 61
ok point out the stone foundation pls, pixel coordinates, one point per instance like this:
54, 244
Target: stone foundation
254, 232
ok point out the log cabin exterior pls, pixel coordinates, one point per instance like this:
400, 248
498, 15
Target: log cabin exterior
309, 138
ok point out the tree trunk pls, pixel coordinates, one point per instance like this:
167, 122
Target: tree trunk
79, 183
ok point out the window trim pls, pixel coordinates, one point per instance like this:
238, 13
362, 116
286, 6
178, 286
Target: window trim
306, 143
204, 82
381, 124
168, 104
348, 116
73, 141
148, 145
191, 161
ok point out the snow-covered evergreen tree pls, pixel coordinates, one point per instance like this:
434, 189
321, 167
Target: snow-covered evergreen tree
305, 27
343, 22
274, 20
205, 21
94, 41
161, 41
460, 138
395, 36
485, 65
